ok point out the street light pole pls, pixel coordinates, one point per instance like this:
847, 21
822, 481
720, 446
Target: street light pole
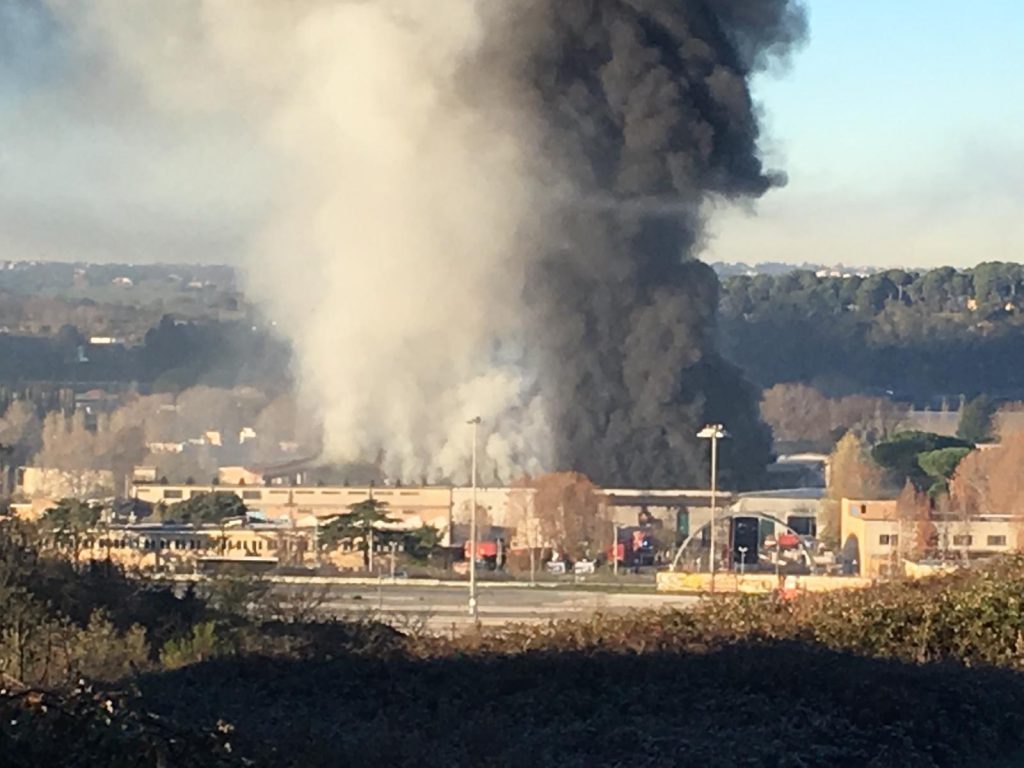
614, 549
531, 541
714, 433
475, 422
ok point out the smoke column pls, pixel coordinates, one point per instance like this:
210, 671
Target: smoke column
478, 207
647, 103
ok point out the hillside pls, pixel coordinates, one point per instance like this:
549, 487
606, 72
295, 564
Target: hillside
923, 673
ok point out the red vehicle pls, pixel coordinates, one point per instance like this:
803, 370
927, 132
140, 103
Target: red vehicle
784, 541
634, 547
484, 549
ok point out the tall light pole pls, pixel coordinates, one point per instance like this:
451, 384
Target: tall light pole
714, 433
615, 549
475, 422
531, 541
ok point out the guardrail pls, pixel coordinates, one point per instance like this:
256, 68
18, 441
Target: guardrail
185, 578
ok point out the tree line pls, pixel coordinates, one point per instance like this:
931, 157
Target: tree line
920, 336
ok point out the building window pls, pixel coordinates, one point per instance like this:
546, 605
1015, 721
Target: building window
802, 526
963, 540
997, 541
888, 539
252, 495
172, 493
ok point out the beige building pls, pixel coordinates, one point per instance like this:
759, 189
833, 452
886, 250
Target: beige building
36, 482
678, 513
178, 547
505, 511
411, 507
873, 536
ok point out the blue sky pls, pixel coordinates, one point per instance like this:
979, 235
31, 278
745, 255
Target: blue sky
901, 126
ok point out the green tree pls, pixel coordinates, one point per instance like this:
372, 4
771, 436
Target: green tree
976, 420
206, 508
69, 524
938, 290
899, 455
421, 543
994, 282
874, 292
940, 465
359, 523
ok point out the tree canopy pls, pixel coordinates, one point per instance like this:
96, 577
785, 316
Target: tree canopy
900, 456
357, 524
69, 521
922, 335
976, 420
207, 508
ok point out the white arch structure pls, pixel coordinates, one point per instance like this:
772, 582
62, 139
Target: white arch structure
733, 513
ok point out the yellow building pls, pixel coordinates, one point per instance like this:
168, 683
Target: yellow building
869, 535
412, 507
878, 543
178, 547
53, 483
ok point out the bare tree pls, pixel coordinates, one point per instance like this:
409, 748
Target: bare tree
570, 513
796, 412
916, 531
852, 475
990, 481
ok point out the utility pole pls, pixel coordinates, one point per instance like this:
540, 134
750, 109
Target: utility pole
475, 422
531, 541
369, 534
714, 433
615, 549
316, 541
394, 546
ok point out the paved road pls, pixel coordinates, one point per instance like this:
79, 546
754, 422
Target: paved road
438, 608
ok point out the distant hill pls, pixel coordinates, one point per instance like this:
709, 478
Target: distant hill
918, 336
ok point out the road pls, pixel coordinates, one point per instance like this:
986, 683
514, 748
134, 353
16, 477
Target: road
440, 608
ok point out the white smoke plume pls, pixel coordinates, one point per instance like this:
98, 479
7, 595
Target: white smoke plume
400, 216
462, 204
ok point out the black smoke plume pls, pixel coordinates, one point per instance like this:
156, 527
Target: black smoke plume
647, 103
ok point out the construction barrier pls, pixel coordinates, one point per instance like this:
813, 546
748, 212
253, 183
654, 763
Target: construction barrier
755, 583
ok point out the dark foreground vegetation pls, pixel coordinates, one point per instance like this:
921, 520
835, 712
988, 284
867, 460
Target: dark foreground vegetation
915, 674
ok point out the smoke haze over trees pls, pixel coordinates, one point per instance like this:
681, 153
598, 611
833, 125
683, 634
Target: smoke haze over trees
469, 209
